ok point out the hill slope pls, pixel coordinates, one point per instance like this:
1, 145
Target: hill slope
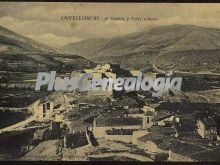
170, 46
87, 48
19, 53
12, 42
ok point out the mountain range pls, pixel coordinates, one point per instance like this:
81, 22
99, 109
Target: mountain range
19, 53
180, 47
12, 42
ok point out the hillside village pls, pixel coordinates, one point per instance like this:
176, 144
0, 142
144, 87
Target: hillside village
118, 125
112, 125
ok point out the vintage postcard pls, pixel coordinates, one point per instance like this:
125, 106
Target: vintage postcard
109, 81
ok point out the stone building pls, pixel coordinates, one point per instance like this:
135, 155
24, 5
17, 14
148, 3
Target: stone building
102, 124
44, 110
122, 135
75, 140
154, 142
207, 128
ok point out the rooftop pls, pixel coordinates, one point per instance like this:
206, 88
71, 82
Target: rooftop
162, 141
120, 132
149, 113
185, 128
122, 121
162, 130
208, 155
161, 115
208, 122
184, 148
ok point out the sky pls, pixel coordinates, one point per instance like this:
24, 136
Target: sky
41, 21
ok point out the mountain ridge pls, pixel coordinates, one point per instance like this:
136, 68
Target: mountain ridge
22, 54
160, 41
11, 41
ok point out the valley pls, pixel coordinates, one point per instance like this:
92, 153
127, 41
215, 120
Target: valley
71, 121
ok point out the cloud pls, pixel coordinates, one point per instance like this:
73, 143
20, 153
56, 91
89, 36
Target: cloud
41, 21
54, 40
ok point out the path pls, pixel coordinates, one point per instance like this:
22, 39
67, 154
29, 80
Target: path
23, 123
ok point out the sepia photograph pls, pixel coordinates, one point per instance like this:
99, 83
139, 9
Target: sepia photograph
109, 82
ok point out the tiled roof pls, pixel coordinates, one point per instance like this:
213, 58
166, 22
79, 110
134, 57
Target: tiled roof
185, 128
162, 141
161, 115
183, 148
208, 155
122, 121
208, 122
162, 130
120, 132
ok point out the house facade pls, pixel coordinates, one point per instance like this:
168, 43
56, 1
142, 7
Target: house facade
207, 128
102, 124
44, 111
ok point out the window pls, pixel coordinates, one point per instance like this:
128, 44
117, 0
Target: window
48, 106
148, 120
44, 108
